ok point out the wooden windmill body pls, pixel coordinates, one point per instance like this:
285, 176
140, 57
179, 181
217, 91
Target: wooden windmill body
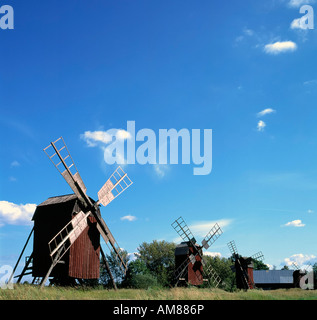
190, 265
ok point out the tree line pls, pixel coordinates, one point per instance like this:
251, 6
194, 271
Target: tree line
154, 267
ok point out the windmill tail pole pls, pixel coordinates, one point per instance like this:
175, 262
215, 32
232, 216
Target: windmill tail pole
16, 265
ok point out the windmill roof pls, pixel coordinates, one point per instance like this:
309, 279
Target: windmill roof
273, 276
58, 199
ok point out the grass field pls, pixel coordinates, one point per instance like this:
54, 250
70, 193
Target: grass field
29, 292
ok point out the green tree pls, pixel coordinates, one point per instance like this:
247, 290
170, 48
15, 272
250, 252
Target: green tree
159, 259
136, 268
114, 265
259, 265
223, 268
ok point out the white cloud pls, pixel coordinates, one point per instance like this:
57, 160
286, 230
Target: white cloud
133, 256
300, 259
18, 214
15, 163
299, 3
212, 254
280, 47
265, 112
261, 125
310, 211
128, 218
295, 223
92, 137
123, 135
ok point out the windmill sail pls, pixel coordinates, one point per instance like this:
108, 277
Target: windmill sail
212, 236
58, 153
182, 229
115, 185
68, 235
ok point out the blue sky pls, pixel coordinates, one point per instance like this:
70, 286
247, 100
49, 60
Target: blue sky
236, 67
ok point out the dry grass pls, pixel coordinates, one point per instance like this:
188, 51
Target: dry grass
29, 292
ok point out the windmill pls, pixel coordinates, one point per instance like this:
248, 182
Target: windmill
190, 265
67, 228
243, 266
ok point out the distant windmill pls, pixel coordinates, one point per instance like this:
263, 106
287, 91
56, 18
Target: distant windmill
190, 265
67, 229
243, 266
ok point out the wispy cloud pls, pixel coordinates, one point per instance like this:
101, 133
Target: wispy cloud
15, 163
280, 47
299, 3
17, 214
287, 180
128, 218
265, 112
261, 125
310, 82
295, 223
203, 227
161, 170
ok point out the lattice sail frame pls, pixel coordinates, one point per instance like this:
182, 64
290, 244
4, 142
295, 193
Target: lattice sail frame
115, 185
258, 256
65, 165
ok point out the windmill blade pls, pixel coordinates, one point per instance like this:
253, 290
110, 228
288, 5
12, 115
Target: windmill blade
258, 256
212, 236
211, 274
115, 185
182, 229
58, 153
181, 270
232, 247
111, 242
60, 244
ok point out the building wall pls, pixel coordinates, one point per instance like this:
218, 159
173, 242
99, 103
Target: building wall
84, 255
81, 260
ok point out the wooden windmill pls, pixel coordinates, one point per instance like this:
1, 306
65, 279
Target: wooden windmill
243, 267
190, 265
67, 229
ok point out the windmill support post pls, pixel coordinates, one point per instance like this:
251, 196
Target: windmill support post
108, 268
17, 263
